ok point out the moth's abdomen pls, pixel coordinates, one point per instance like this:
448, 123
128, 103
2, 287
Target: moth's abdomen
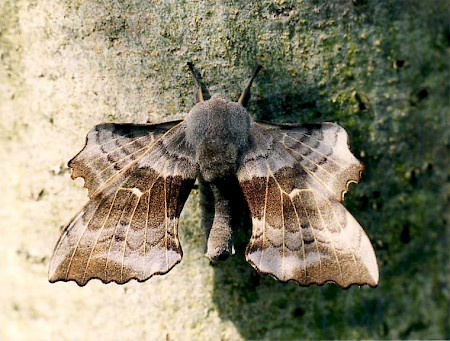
222, 203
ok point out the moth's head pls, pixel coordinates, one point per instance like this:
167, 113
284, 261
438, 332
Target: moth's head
218, 102
219, 107
217, 98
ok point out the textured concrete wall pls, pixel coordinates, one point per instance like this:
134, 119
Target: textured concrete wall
378, 68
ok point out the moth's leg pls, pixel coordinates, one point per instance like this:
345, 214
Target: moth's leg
245, 96
197, 84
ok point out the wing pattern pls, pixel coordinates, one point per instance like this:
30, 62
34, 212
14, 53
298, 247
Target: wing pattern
322, 150
293, 178
111, 147
128, 230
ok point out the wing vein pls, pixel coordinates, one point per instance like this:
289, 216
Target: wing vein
166, 224
124, 158
146, 228
116, 149
128, 166
98, 235
126, 237
351, 252
311, 148
314, 235
263, 244
301, 234
79, 239
110, 140
331, 239
114, 234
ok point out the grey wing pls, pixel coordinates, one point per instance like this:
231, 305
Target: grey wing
128, 229
322, 151
301, 231
110, 147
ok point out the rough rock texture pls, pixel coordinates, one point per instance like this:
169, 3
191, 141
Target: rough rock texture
378, 68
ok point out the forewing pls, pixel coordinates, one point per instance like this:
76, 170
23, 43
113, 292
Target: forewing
301, 231
322, 151
128, 230
111, 147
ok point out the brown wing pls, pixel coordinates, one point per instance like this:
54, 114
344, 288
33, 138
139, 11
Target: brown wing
301, 231
111, 147
322, 151
128, 230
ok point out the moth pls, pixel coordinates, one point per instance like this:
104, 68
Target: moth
293, 179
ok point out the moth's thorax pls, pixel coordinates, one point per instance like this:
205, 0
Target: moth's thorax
218, 129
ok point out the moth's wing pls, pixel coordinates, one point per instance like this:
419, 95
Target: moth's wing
128, 230
111, 147
322, 150
301, 231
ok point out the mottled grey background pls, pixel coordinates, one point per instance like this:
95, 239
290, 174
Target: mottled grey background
378, 68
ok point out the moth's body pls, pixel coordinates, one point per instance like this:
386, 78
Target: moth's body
218, 129
291, 178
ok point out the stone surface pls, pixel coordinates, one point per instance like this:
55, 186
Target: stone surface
380, 69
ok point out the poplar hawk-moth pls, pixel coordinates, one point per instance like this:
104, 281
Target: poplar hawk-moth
293, 178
